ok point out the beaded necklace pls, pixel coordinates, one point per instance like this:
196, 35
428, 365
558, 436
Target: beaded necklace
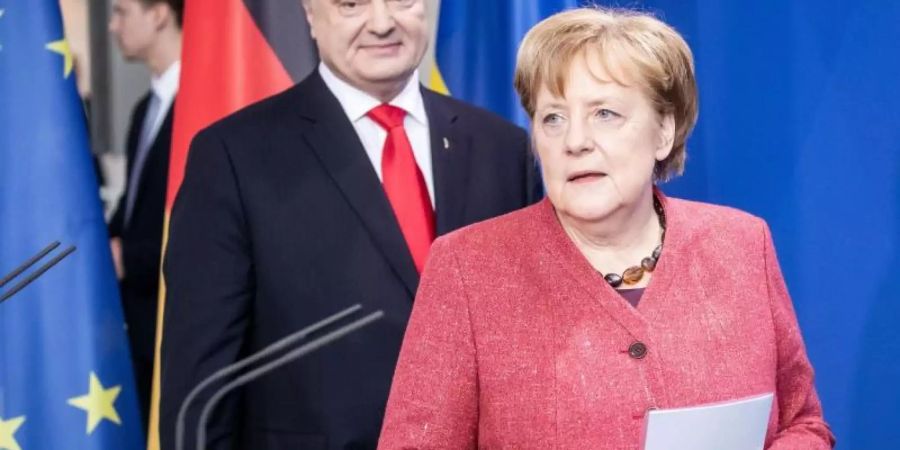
633, 274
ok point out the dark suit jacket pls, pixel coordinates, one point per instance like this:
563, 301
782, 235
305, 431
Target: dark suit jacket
143, 235
142, 242
282, 221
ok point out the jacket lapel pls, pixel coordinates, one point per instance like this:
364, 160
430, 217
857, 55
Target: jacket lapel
134, 133
450, 153
335, 142
155, 156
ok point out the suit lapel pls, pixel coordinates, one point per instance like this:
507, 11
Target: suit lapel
450, 153
335, 142
161, 143
134, 132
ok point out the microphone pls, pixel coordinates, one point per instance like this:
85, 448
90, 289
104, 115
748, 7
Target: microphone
295, 354
246, 361
262, 370
37, 273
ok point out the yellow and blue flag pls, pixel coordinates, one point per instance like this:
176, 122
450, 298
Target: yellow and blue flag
65, 374
476, 49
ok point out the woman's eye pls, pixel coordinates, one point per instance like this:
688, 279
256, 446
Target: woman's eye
552, 119
606, 114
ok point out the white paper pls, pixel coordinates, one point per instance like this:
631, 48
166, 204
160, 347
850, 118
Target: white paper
734, 425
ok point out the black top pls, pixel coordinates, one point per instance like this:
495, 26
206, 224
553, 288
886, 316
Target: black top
632, 295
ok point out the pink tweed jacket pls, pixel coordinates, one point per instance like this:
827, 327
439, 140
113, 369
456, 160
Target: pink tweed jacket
515, 342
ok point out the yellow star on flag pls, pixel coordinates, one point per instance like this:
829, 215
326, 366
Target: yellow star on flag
8, 427
62, 47
98, 403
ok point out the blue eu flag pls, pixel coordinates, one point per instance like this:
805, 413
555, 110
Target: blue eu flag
65, 374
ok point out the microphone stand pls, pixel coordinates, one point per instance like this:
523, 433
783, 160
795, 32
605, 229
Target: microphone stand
37, 273
246, 361
277, 346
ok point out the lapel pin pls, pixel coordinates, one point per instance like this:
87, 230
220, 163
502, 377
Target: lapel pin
446, 144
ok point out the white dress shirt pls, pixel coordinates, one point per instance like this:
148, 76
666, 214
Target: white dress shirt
357, 104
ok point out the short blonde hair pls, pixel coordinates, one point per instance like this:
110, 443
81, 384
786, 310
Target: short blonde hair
633, 46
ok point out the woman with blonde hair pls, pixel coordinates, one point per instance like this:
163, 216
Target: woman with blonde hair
561, 325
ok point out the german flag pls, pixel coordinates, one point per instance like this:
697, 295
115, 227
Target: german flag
235, 52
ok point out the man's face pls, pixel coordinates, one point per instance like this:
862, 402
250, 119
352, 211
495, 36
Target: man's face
135, 28
369, 43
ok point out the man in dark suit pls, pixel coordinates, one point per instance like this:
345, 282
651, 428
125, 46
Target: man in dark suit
324, 196
149, 32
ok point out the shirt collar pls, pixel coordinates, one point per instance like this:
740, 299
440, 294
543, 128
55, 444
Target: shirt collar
165, 86
357, 104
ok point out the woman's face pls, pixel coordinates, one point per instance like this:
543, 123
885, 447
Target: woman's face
599, 144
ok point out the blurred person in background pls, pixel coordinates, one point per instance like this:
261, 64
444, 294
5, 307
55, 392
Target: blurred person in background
147, 32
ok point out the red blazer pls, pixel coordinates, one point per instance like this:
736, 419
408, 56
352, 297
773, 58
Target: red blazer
516, 342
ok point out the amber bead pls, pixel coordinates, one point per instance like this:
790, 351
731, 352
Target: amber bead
632, 275
613, 279
648, 264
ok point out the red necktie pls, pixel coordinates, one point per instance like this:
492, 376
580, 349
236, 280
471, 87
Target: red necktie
404, 184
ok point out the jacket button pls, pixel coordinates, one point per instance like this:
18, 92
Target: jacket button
637, 350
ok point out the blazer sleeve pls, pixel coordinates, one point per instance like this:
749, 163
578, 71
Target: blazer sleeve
434, 397
800, 421
210, 283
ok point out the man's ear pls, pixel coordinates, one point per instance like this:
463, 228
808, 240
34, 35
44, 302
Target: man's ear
162, 14
309, 10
